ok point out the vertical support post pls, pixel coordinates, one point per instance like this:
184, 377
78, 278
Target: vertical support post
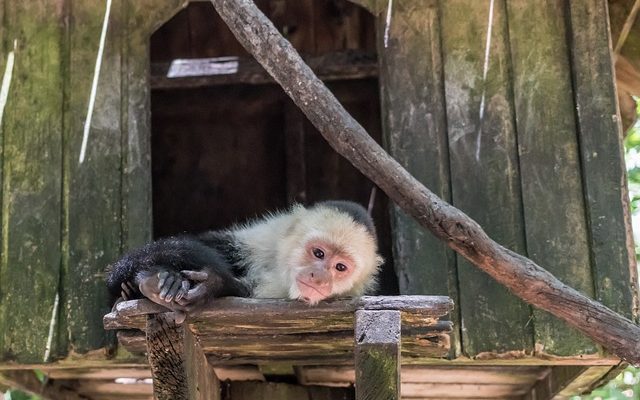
377, 354
165, 351
179, 368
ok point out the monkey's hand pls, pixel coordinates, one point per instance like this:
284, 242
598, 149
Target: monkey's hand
188, 291
164, 286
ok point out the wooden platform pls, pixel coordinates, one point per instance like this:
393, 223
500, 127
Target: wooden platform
376, 332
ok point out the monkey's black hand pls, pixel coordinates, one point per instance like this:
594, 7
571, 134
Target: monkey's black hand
206, 285
164, 286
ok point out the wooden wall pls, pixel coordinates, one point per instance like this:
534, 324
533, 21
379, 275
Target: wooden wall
541, 170
520, 130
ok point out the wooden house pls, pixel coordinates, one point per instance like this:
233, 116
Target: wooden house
127, 120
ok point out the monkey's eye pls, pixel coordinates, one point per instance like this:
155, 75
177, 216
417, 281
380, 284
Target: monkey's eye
318, 253
341, 267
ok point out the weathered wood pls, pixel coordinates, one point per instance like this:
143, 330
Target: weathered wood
239, 373
424, 391
224, 312
377, 354
549, 160
166, 355
202, 381
485, 176
413, 104
284, 391
414, 116
613, 265
588, 379
99, 373
294, 144
524, 277
27, 381
143, 17
329, 67
305, 349
345, 375
553, 382
32, 182
91, 191
285, 330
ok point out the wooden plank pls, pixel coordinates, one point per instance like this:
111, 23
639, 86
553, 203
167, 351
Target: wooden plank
485, 176
284, 391
91, 389
603, 169
143, 17
587, 380
556, 231
377, 354
32, 182
557, 379
27, 381
239, 373
202, 381
231, 314
414, 126
334, 66
296, 169
166, 355
303, 349
99, 373
461, 391
92, 201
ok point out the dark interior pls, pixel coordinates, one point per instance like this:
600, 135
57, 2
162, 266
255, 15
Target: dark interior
225, 149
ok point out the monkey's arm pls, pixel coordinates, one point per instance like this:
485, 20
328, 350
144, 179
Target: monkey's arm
180, 273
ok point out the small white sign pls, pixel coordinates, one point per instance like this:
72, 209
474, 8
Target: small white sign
181, 68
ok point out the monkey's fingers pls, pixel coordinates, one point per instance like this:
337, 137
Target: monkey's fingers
173, 291
196, 276
193, 295
162, 278
127, 292
183, 290
165, 284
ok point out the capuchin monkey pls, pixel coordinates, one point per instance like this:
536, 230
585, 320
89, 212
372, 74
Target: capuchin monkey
309, 254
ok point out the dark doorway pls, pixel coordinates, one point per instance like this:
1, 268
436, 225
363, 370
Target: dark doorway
228, 144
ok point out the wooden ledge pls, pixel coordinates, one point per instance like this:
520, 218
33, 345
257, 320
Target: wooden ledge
257, 331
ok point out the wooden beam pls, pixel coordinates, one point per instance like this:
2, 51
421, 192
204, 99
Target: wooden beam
165, 352
522, 276
179, 367
195, 73
27, 381
377, 355
202, 381
296, 167
291, 331
284, 391
556, 380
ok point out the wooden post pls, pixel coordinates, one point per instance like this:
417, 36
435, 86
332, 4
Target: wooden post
179, 367
377, 354
165, 351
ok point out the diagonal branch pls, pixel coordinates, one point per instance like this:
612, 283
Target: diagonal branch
522, 276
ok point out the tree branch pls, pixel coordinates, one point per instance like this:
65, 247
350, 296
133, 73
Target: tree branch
522, 276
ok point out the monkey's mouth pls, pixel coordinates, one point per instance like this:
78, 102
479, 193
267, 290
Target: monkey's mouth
309, 293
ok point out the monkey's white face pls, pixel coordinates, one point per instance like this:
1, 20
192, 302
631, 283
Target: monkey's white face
326, 269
